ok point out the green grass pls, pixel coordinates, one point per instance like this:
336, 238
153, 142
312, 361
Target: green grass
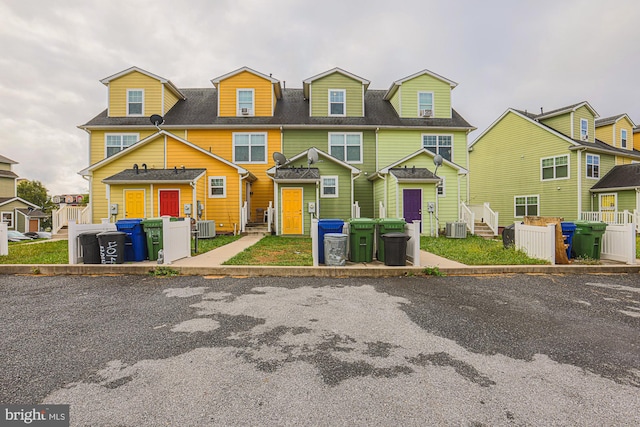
37, 253
205, 245
276, 250
475, 250
637, 246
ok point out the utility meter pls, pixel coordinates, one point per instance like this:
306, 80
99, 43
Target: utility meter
312, 207
431, 207
113, 209
187, 209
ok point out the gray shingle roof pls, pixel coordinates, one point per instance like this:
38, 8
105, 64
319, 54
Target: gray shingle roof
608, 120
413, 173
297, 173
34, 213
621, 176
200, 109
164, 175
8, 174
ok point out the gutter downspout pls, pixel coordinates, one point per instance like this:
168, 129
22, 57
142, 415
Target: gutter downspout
579, 152
377, 154
353, 179
240, 183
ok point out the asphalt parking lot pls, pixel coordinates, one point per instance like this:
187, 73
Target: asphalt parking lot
189, 351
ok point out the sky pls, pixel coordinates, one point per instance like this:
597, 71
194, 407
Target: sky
502, 53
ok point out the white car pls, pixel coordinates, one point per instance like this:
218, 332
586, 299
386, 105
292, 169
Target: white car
16, 236
38, 234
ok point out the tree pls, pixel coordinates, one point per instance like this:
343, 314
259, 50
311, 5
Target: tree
36, 193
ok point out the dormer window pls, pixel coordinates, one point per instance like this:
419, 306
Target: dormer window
584, 129
337, 101
623, 138
425, 104
245, 102
135, 102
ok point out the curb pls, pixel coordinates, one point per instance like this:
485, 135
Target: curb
295, 271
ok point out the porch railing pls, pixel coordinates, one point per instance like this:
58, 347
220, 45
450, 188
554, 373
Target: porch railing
355, 210
614, 217
468, 217
244, 217
490, 218
271, 214
61, 217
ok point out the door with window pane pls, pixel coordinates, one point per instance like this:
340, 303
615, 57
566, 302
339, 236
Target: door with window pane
608, 207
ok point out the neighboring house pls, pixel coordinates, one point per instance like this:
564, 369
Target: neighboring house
636, 138
617, 131
619, 189
18, 213
214, 148
544, 164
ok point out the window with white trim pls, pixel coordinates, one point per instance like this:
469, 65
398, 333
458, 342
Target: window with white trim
135, 102
593, 166
440, 189
116, 142
346, 146
245, 102
7, 217
337, 102
250, 147
584, 129
554, 167
526, 206
217, 186
623, 138
329, 186
439, 144
425, 104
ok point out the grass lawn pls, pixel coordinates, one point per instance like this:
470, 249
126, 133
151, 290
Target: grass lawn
276, 250
37, 253
475, 250
205, 245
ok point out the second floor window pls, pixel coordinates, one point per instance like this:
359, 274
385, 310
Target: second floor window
245, 102
584, 129
250, 147
118, 142
425, 104
337, 102
346, 146
623, 138
438, 144
135, 102
555, 167
593, 166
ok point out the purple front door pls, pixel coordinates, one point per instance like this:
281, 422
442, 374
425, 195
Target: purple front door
412, 205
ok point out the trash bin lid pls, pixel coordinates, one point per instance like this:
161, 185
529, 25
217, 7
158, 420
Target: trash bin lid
396, 236
90, 233
112, 233
335, 235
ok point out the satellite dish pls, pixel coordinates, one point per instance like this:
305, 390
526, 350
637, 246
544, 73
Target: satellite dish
279, 158
437, 160
156, 119
312, 156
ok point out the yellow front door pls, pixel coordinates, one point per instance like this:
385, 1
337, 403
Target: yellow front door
292, 211
608, 207
134, 204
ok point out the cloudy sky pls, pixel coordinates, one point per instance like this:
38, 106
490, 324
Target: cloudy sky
503, 53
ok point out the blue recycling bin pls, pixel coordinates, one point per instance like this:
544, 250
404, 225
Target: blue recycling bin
135, 244
568, 230
326, 226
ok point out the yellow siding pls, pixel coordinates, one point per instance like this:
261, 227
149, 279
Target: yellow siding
605, 134
5, 167
169, 100
636, 141
135, 80
152, 154
98, 142
263, 93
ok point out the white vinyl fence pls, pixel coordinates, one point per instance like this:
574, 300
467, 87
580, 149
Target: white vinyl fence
537, 241
75, 248
4, 238
619, 243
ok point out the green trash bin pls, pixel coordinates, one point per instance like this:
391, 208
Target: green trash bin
587, 239
153, 229
384, 226
361, 232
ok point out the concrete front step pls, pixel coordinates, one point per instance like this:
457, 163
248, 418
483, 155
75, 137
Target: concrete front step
482, 230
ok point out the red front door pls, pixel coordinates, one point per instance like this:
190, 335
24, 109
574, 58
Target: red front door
170, 203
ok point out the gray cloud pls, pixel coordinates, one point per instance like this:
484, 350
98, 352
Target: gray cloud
525, 54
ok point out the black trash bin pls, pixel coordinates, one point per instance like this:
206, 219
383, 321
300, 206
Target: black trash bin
395, 248
112, 247
90, 248
509, 236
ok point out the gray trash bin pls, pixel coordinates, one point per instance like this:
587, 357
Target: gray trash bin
335, 249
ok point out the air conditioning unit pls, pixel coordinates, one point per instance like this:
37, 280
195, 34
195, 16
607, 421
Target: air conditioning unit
245, 111
206, 229
456, 230
426, 113
585, 137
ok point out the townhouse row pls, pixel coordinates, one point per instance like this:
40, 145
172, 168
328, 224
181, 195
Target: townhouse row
248, 149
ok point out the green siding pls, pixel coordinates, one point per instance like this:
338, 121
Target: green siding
562, 124
7, 187
378, 196
308, 196
394, 144
425, 83
336, 207
320, 95
297, 141
583, 113
506, 163
395, 102
627, 200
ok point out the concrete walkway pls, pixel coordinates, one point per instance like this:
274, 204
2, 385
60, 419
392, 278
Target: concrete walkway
219, 255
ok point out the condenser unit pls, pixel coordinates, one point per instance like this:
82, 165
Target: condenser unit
206, 229
456, 230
